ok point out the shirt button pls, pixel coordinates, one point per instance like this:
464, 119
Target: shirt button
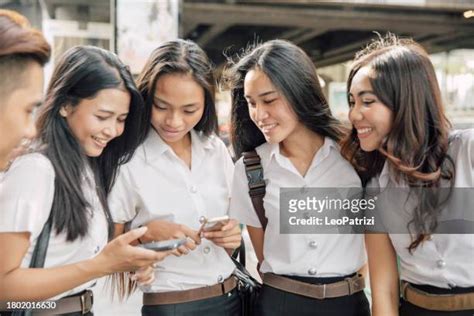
441, 264
430, 237
96, 250
220, 279
312, 271
193, 189
313, 244
206, 249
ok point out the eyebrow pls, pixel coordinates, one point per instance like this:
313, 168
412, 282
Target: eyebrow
111, 112
184, 106
262, 94
361, 93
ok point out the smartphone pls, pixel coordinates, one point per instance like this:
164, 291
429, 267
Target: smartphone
164, 245
214, 223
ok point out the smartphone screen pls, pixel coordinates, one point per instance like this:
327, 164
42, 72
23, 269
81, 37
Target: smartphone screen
164, 245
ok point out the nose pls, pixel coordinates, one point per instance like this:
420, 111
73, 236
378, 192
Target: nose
260, 112
355, 115
112, 130
174, 120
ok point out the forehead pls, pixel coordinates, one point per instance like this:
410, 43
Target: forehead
256, 81
361, 80
179, 89
113, 100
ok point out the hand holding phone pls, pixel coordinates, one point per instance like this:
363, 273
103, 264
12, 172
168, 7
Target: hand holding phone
213, 224
164, 245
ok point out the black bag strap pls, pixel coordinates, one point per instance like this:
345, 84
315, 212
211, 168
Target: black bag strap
254, 171
41, 247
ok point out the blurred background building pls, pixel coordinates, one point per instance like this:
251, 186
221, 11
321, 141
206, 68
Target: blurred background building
329, 31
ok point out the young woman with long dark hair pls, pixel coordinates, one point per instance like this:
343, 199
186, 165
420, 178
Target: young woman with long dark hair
181, 173
279, 110
90, 124
402, 141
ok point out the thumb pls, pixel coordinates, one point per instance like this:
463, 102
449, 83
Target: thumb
133, 234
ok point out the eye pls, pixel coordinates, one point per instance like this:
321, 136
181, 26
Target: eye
122, 120
351, 103
101, 118
190, 111
367, 102
268, 101
159, 106
251, 104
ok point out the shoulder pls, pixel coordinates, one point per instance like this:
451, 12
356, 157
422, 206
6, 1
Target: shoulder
461, 141
34, 163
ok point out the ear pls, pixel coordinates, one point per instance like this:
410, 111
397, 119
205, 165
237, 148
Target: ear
63, 111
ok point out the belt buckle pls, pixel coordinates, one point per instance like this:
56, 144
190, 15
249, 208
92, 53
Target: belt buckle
403, 290
84, 308
350, 285
324, 291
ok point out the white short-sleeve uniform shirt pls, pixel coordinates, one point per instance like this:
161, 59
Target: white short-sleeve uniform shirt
311, 255
157, 184
446, 260
26, 197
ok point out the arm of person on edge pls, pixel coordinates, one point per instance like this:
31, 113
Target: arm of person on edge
229, 236
383, 273
25, 284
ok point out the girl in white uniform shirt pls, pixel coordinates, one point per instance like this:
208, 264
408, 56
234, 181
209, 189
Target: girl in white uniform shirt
182, 172
278, 109
23, 53
401, 139
90, 123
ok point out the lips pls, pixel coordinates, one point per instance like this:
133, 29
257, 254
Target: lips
363, 132
267, 128
100, 142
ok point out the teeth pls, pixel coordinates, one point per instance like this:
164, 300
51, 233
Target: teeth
267, 127
364, 130
100, 141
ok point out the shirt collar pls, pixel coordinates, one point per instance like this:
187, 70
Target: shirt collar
322, 153
154, 146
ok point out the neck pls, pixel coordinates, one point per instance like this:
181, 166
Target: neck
303, 143
182, 145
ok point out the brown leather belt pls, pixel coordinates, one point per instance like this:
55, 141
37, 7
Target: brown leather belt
79, 303
346, 287
436, 302
201, 293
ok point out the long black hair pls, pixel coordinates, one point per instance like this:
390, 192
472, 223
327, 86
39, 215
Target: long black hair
416, 148
181, 57
80, 74
293, 73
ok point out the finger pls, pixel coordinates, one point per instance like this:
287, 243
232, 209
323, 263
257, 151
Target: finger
231, 224
191, 234
176, 253
182, 250
132, 235
227, 239
228, 245
148, 281
190, 244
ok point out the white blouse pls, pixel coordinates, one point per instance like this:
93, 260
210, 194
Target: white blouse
26, 197
157, 184
446, 260
310, 255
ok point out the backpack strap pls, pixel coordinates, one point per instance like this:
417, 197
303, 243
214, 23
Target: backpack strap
254, 171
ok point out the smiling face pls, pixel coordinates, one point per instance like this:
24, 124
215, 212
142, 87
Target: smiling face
177, 108
370, 117
96, 121
17, 111
268, 108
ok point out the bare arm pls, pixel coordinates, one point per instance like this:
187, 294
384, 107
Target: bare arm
256, 236
383, 275
24, 284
